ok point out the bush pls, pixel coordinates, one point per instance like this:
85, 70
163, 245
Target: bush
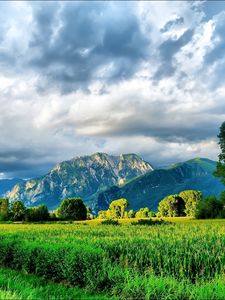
149, 222
110, 222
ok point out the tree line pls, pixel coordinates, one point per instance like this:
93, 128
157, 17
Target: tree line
187, 203
69, 209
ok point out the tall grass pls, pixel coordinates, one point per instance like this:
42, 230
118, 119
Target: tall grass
183, 259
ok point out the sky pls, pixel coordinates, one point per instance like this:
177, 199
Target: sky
115, 77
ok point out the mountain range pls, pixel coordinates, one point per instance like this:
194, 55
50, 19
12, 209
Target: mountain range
150, 188
84, 176
100, 178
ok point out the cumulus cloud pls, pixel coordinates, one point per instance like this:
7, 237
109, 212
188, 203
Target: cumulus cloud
80, 77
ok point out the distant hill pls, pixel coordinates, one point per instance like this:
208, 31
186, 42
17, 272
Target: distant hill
7, 184
83, 176
150, 188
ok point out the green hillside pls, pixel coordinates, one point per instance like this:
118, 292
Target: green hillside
149, 189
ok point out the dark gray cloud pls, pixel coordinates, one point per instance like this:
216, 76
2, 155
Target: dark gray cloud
172, 23
72, 44
167, 51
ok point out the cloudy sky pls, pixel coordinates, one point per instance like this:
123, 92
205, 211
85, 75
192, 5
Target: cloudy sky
115, 77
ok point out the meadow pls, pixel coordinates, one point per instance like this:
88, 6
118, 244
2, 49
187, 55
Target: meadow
183, 259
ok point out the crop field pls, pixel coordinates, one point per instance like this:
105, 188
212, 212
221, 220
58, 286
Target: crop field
184, 259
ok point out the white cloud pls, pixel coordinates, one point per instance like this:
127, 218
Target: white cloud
166, 119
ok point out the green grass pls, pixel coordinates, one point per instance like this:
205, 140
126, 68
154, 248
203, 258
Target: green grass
184, 259
16, 285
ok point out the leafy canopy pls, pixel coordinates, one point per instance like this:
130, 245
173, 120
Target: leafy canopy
144, 213
220, 168
172, 206
191, 199
117, 208
4, 209
72, 209
18, 211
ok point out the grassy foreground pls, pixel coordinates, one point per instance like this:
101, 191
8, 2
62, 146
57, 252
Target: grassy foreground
181, 260
19, 286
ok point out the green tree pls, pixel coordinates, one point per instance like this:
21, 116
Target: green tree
72, 209
209, 208
171, 206
18, 211
144, 213
220, 167
191, 199
118, 207
4, 209
102, 214
37, 213
130, 214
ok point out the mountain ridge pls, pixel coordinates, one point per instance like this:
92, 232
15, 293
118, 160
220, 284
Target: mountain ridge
149, 189
100, 178
81, 176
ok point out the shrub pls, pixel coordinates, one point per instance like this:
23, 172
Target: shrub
110, 222
149, 222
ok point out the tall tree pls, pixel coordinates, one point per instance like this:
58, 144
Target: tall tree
172, 206
191, 199
18, 211
220, 168
72, 209
118, 207
4, 209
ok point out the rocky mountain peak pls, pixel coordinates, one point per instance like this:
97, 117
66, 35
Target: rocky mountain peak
82, 176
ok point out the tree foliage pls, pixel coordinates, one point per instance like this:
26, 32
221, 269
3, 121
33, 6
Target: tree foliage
130, 214
72, 209
37, 213
210, 208
220, 168
172, 206
143, 213
18, 211
4, 209
191, 199
117, 208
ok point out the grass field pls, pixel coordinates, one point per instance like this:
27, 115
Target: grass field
184, 259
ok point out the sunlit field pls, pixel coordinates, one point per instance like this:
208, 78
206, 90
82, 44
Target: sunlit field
183, 259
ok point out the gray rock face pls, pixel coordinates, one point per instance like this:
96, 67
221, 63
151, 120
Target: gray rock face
83, 177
